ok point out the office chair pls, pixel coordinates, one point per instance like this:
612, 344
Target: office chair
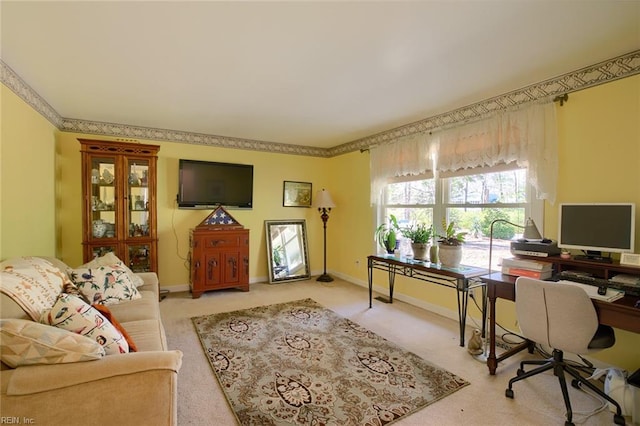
562, 317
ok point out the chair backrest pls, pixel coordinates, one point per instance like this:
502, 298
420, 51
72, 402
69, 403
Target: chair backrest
560, 316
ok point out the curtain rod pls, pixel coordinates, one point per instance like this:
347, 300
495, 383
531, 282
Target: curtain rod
560, 98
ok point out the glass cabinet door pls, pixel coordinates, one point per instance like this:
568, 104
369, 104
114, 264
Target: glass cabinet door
139, 259
103, 198
138, 196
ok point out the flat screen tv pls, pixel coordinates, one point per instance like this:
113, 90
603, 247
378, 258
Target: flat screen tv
207, 184
597, 228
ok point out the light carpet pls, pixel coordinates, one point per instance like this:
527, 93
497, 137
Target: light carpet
298, 363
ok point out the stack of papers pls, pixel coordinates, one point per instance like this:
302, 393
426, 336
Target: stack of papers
527, 268
592, 291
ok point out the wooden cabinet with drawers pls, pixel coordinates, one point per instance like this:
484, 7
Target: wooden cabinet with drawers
219, 256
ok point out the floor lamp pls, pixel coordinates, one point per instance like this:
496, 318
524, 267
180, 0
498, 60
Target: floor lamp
530, 233
324, 203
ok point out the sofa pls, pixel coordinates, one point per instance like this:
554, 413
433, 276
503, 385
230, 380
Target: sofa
132, 388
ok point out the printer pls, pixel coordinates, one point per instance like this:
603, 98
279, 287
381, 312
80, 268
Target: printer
537, 248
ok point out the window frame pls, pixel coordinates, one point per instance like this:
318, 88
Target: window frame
533, 207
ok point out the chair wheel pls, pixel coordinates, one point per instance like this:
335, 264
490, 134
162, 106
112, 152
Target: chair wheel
520, 372
619, 420
509, 393
575, 383
568, 423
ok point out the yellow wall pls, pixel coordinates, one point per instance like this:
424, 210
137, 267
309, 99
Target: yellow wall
599, 137
270, 170
27, 179
599, 158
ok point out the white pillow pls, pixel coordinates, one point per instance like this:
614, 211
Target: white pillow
110, 259
24, 342
108, 285
73, 314
32, 282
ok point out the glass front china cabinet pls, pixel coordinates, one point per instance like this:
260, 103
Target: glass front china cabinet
119, 206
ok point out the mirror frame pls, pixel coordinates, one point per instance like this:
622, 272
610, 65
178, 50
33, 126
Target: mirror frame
305, 250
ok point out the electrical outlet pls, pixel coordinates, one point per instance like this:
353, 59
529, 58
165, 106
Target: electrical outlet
472, 294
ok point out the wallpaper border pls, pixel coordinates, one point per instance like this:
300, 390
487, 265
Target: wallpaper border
613, 69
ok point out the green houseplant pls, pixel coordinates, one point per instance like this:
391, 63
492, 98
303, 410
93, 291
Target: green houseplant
451, 236
387, 235
419, 234
450, 245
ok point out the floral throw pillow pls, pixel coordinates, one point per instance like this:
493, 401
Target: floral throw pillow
107, 285
110, 259
72, 314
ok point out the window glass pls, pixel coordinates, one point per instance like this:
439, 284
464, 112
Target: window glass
473, 202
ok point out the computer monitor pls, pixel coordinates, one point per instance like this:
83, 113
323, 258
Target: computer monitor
597, 228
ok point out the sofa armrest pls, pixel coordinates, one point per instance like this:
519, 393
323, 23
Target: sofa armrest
27, 380
150, 280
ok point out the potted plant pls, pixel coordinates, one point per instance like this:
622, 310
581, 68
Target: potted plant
387, 235
450, 245
419, 234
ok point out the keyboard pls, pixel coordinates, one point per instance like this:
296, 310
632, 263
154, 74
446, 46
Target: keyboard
629, 290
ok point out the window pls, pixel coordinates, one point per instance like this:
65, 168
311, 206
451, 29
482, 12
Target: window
472, 201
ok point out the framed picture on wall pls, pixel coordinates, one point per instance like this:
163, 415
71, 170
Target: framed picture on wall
296, 194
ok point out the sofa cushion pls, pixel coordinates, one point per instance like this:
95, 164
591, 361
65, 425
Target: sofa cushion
108, 285
24, 342
147, 307
71, 313
148, 335
32, 282
110, 259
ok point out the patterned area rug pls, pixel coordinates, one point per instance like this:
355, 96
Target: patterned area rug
299, 363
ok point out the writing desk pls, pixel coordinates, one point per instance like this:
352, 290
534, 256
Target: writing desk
619, 314
456, 278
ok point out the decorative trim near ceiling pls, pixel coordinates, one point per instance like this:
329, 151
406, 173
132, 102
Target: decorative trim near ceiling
17, 85
603, 72
129, 132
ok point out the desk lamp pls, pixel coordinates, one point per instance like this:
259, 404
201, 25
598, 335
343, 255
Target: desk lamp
530, 233
324, 203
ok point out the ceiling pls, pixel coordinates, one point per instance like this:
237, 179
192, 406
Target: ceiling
314, 73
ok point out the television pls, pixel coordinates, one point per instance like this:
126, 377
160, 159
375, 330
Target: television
208, 184
597, 228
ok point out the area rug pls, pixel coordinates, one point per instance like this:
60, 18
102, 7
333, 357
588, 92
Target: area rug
298, 363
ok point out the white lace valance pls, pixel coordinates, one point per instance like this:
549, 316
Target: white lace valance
411, 155
527, 137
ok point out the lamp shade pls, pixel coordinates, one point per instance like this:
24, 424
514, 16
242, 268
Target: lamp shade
323, 200
531, 231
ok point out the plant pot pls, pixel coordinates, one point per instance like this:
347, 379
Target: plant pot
420, 251
450, 256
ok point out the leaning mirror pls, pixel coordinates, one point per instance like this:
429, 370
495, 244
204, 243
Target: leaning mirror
287, 252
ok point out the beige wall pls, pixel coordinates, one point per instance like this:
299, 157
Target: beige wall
599, 161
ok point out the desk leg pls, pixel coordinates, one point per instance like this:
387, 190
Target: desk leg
463, 301
492, 362
370, 273
484, 311
392, 280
